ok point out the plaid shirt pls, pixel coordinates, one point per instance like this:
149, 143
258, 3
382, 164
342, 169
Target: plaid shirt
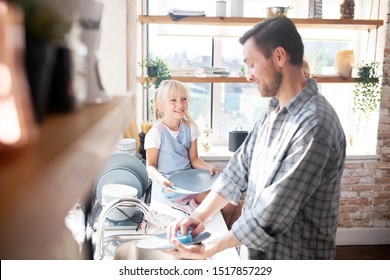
291, 173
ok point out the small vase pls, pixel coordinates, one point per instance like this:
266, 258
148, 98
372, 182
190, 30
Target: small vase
347, 9
344, 62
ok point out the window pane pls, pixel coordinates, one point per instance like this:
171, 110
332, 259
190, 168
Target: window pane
240, 104
240, 107
185, 54
200, 103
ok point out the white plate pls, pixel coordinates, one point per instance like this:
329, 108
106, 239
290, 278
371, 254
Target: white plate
160, 241
192, 181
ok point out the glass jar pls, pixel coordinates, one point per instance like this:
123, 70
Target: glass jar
205, 140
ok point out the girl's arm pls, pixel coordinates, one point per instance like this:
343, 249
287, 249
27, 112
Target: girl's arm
196, 161
151, 167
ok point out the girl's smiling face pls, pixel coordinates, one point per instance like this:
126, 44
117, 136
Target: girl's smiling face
171, 100
175, 106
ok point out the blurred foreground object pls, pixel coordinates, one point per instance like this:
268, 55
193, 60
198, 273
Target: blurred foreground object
17, 123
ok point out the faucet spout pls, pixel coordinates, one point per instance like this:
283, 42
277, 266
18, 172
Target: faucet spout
99, 250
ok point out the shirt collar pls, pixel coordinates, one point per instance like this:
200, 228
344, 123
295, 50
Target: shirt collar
297, 103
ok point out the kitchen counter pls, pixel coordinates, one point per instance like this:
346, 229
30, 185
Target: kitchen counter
216, 225
164, 214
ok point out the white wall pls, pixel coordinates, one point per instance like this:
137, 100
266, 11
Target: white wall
112, 49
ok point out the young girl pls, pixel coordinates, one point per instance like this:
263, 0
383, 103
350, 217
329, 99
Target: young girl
171, 144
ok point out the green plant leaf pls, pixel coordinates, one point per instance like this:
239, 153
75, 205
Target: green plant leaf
367, 92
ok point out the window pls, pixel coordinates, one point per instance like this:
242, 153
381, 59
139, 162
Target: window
227, 106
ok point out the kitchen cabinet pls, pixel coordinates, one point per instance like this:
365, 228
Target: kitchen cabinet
345, 24
41, 182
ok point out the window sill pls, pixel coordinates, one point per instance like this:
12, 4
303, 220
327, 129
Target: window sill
222, 153
217, 153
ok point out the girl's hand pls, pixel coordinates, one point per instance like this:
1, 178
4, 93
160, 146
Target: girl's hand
165, 184
212, 169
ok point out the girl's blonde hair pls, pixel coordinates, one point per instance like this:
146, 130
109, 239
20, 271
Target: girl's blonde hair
167, 89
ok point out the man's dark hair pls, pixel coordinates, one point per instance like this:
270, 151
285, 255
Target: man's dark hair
278, 31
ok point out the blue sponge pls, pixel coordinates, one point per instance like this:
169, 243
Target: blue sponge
186, 239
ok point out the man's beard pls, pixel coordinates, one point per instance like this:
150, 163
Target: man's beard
270, 89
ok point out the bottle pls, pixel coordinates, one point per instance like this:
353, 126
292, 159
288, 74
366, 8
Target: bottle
205, 139
142, 150
315, 9
79, 62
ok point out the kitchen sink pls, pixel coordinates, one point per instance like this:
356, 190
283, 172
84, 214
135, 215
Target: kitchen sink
124, 247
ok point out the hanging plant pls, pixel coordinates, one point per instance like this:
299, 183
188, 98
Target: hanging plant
367, 92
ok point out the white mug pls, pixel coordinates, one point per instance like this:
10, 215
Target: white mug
221, 9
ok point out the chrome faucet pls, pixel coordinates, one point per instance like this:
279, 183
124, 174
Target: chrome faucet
99, 249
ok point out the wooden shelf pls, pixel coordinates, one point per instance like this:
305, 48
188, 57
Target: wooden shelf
187, 79
346, 24
41, 182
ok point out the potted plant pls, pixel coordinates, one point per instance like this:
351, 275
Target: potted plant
151, 66
367, 92
157, 69
242, 71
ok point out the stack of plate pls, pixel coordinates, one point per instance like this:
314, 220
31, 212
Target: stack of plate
123, 169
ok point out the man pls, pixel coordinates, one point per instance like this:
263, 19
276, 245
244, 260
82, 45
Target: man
290, 165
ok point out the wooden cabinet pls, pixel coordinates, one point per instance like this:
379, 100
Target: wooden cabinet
41, 182
346, 24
